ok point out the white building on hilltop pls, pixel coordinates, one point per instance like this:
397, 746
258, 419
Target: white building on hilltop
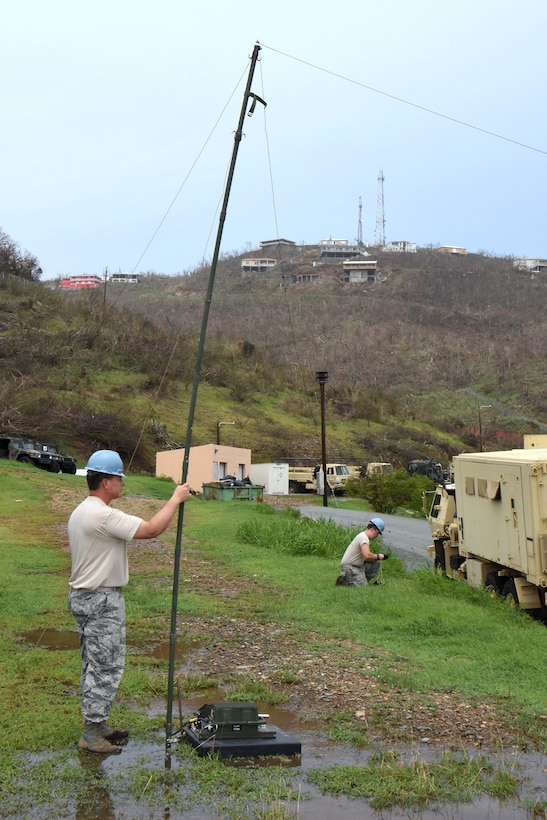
402, 246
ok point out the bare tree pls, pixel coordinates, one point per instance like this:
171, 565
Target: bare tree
16, 262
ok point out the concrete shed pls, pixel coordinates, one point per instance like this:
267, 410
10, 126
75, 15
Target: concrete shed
207, 462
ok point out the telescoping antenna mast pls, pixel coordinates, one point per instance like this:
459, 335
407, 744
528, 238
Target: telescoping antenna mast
191, 413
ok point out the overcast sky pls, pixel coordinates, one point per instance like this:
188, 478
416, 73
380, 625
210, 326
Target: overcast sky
118, 119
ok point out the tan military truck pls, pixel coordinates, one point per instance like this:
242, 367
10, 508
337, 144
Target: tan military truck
370, 469
304, 479
489, 526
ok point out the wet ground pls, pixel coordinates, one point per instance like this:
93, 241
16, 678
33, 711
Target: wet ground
107, 802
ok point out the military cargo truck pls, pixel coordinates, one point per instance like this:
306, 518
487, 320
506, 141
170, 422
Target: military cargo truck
304, 479
429, 467
489, 526
370, 469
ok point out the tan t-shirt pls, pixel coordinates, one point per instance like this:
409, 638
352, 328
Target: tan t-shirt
98, 536
353, 555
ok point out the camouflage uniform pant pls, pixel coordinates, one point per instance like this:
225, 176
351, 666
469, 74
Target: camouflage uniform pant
100, 616
351, 576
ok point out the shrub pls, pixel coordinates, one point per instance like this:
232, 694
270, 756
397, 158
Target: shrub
387, 493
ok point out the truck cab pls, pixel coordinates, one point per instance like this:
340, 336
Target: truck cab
304, 479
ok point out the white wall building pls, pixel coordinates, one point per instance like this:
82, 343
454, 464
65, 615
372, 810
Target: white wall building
530, 265
360, 270
401, 246
273, 477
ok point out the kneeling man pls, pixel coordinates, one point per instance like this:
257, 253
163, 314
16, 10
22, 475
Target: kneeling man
359, 565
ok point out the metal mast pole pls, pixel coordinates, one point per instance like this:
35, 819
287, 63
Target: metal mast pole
195, 384
380, 234
360, 226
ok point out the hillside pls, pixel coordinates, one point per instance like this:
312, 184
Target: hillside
435, 337
409, 360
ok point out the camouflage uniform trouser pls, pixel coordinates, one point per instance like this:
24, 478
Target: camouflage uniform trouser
351, 576
100, 615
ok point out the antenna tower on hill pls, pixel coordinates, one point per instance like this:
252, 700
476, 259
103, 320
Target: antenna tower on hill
380, 232
360, 226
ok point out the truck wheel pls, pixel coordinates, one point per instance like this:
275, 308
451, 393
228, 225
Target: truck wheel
25, 459
440, 561
53, 467
510, 592
493, 584
293, 487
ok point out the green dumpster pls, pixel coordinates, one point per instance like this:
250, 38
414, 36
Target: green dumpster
222, 492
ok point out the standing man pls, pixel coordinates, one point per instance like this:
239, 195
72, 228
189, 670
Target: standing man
359, 565
98, 536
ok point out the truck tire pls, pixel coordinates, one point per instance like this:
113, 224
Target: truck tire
440, 560
493, 584
25, 459
293, 487
510, 592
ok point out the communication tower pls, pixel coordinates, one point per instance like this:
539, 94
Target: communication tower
380, 231
360, 226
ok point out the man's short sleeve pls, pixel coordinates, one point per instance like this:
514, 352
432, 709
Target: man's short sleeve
121, 525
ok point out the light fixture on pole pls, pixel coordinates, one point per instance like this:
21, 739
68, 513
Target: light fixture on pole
219, 424
481, 407
322, 377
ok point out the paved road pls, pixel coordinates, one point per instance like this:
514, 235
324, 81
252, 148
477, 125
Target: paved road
409, 538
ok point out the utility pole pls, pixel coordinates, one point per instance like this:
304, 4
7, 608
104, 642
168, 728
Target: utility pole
322, 377
219, 425
380, 232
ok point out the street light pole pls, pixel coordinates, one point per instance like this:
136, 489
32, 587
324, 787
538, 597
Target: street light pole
322, 377
219, 423
481, 407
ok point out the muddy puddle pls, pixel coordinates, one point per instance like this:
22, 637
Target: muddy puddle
68, 639
106, 800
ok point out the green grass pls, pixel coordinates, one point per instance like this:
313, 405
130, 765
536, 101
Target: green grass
386, 781
456, 636
424, 633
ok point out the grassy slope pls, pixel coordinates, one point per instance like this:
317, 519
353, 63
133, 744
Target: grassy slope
424, 634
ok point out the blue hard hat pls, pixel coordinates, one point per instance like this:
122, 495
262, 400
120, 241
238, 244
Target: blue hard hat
106, 461
378, 523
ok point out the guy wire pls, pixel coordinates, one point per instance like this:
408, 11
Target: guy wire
279, 255
409, 102
182, 185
